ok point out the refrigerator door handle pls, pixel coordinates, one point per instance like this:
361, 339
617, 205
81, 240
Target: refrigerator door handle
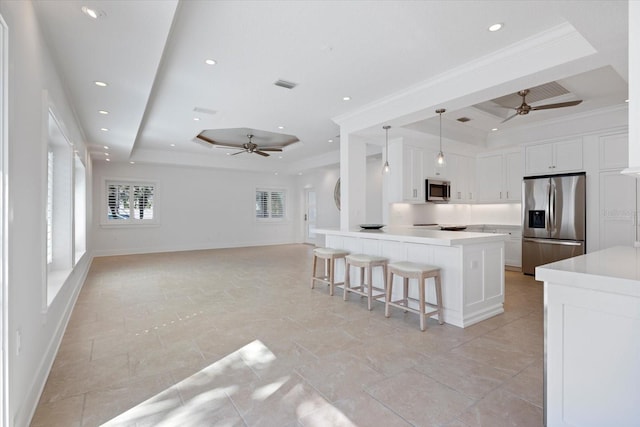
553, 242
548, 216
552, 207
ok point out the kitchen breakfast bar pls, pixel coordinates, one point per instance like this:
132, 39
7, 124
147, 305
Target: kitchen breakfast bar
472, 265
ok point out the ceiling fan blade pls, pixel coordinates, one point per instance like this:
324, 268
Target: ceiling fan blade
270, 149
261, 153
205, 139
558, 105
238, 152
509, 118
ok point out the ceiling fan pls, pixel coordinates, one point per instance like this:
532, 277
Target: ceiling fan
247, 147
525, 108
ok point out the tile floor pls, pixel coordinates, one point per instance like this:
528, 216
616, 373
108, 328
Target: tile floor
236, 337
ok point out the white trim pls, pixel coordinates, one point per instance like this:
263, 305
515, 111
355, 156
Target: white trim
4, 163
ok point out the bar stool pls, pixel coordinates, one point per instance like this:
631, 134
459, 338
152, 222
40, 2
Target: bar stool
421, 272
363, 262
329, 255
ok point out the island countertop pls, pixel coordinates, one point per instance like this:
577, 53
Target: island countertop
615, 270
417, 235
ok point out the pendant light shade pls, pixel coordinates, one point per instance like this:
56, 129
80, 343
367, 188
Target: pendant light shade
385, 168
440, 160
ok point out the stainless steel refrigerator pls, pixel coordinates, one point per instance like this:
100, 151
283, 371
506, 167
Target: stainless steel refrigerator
553, 219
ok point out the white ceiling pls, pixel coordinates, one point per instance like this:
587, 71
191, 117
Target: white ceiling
152, 53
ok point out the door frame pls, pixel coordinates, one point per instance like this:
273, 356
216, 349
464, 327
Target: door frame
306, 237
4, 194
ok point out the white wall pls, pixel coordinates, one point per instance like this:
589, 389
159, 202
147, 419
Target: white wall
198, 208
32, 74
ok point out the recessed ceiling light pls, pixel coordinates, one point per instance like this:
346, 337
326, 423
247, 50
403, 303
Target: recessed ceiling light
626, 100
106, 147
495, 27
331, 140
173, 145
133, 163
280, 127
196, 119
346, 98
299, 173
93, 13
106, 154
108, 160
279, 157
210, 61
276, 173
228, 154
104, 129
101, 84
494, 129
105, 112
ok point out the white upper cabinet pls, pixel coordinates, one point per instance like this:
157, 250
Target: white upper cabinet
413, 174
513, 176
555, 157
614, 151
499, 177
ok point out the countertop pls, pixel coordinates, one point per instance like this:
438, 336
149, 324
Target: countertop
615, 270
418, 235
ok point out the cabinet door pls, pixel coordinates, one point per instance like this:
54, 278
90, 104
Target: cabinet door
489, 173
412, 174
539, 159
457, 175
470, 168
407, 173
568, 156
417, 175
617, 209
614, 151
513, 177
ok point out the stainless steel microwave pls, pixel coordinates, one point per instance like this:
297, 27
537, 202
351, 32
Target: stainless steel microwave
437, 190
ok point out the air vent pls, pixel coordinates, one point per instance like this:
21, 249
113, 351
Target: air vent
285, 84
204, 110
464, 119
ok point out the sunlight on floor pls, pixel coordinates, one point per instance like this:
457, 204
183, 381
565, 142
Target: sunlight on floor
200, 398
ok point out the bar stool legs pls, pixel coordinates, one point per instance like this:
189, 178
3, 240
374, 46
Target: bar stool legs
365, 263
420, 272
329, 255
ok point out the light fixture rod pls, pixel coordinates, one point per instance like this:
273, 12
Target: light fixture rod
440, 153
385, 168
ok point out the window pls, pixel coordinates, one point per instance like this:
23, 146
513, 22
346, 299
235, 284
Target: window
130, 202
270, 204
80, 207
59, 207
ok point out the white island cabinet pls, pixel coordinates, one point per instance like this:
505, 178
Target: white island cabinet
472, 265
592, 341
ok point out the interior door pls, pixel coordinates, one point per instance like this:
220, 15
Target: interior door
310, 216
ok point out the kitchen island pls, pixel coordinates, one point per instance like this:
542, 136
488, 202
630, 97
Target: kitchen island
472, 265
592, 339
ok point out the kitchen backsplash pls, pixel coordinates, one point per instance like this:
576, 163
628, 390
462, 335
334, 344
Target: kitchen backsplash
433, 213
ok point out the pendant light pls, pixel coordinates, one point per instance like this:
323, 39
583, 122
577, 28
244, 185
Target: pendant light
440, 161
385, 168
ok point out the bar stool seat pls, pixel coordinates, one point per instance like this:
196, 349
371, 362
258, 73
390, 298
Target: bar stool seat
329, 255
421, 272
365, 288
